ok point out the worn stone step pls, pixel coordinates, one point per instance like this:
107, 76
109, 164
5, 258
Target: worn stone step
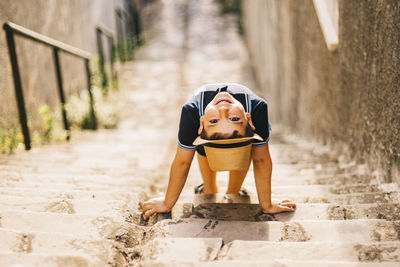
66, 186
343, 199
306, 169
55, 173
59, 172
74, 224
322, 251
333, 179
365, 211
336, 180
298, 197
362, 188
267, 263
13, 259
66, 204
363, 198
109, 194
309, 190
351, 189
316, 195
186, 249
342, 179
252, 212
294, 231
94, 179
98, 251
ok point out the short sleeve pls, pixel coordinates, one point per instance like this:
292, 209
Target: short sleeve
259, 117
188, 127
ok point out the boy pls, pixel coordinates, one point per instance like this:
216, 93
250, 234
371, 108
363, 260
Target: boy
215, 112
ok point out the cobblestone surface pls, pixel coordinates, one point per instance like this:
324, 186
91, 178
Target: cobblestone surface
76, 204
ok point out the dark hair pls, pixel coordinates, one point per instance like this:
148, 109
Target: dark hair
235, 134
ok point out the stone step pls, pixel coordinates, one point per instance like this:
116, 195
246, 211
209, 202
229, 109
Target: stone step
336, 179
98, 251
342, 179
178, 249
59, 171
319, 190
266, 263
294, 231
362, 188
66, 204
252, 212
66, 186
342, 199
315, 195
54, 173
94, 179
73, 224
103, 195
13, 259
309, 190
323, 251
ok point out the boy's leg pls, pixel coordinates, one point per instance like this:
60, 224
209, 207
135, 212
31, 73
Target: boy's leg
208, 175
236, 179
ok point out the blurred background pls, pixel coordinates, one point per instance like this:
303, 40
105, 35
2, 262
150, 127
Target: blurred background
73, 23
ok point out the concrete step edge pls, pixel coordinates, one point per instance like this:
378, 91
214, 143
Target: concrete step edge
42, 259
266, 263
293, 231
353, 251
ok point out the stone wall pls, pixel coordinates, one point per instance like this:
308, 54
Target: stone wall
72, 22
348, 99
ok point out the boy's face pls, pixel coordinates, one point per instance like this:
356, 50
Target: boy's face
224, 115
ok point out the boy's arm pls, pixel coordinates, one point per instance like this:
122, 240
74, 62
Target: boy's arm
177, 178
262, 165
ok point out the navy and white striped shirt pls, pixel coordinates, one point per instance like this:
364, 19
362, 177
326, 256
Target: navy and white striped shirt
194, 108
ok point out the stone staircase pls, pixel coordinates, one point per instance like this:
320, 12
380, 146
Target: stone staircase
76, 204
342, 218
73, 204
55, 213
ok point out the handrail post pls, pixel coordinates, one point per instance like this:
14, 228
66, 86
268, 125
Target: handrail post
18, 86
111, 45
120, 37
101, 58
137, 25
61, 90
93, 120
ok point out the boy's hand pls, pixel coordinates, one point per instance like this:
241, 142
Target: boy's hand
284, 205
152, 206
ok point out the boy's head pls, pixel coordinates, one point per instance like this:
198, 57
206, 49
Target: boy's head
225, 118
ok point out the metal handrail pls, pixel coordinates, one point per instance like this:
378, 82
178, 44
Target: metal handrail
11, 29
15, 28
102, 30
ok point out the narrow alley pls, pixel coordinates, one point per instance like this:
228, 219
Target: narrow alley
78, 203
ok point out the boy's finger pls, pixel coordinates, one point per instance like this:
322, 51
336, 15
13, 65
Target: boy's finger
148, 213
145, 205
292, 204
287, 209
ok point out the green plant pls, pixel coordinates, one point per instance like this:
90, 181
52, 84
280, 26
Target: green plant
49, 122
107, 109
10, 138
